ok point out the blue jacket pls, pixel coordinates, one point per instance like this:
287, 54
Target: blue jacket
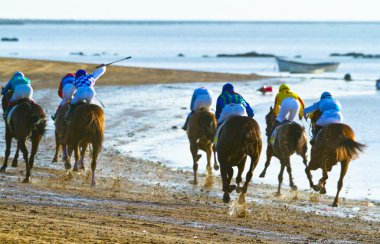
324, 105
228, 97
12, 83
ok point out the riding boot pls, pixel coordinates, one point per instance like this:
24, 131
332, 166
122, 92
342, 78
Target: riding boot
275, 124
184, 127
54, 116
315, 133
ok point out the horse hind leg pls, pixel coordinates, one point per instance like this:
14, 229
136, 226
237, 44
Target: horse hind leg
196, 157
24, 151
311, 166
82, 157
240, 172
289, 169
248, 178
280, 177
216, 166
15, 158
223, 173
208, 154
322, 182
57, 147
95, 154
343, 171
8, 141
269, 157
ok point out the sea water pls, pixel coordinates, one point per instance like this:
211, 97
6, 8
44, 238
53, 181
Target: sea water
143, 123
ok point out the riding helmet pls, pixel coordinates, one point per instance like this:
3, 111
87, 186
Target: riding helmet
326, 95
80, 72
18, 74
228, 87
284, 87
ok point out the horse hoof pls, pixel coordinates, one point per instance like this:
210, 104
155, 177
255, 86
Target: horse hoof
14, 164
278, 194
26, 180
54, 160
294, 187
335, 205
67, 166
3, 169
262, 175
75, 169
216, 167
194, 182
232, 188
322, 191
93, 184
226, 198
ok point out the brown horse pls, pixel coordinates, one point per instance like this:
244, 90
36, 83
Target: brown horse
290, 138
86, 126
201, 131
239, 137
27, 120
334, 143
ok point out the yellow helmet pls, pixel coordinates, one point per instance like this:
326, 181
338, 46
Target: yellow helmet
284, 87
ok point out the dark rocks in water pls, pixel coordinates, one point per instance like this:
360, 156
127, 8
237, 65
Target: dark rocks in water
174, 127
181, 55
347, 77
355, 55
298, 56
205, 56
246, 55
378, 84
77, 53
96, 54
9, 39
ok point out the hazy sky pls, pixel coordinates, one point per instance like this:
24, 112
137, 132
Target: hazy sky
345, 10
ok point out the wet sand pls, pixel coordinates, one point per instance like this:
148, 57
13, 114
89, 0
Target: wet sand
144, 201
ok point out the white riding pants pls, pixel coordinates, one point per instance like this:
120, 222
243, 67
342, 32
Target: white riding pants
289, 110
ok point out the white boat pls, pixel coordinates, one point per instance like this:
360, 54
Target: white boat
299, 67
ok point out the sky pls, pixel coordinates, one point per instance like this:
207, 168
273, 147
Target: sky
230, 10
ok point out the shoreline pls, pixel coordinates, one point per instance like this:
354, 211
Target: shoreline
47, 74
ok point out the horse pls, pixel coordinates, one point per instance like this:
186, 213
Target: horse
201, 132
290, 138
239, 137
27, 121
86, 126
334, 143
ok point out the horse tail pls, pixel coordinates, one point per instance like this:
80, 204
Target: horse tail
251, 139
38, 120
302, 140
96, 129
349, 149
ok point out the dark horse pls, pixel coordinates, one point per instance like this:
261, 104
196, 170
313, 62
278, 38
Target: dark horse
201, 132
239, 137
86, 126
334, 143
27, 120
290, 138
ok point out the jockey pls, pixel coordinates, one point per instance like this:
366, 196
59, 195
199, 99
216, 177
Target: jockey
66, 90
85, 86
229, 96
202, 98
331, 112
21, 87
286, 106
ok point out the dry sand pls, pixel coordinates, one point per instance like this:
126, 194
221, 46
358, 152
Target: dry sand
148, 202
47, 74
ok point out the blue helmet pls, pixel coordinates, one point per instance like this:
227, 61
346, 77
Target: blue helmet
18, 74
326, 95
228, 87
80, 72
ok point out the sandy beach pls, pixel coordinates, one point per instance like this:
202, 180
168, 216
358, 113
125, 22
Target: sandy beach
137, 200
